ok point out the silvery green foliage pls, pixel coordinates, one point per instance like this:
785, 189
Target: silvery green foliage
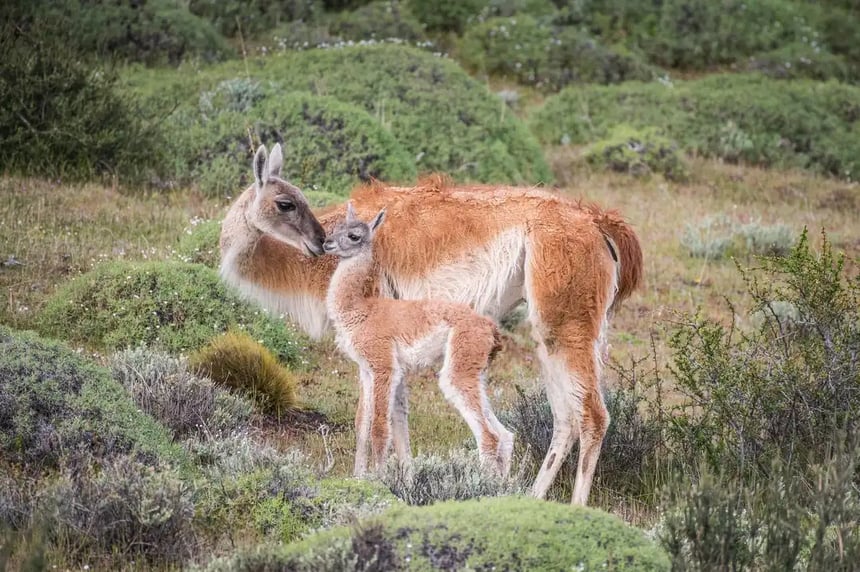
187, 404
457, 476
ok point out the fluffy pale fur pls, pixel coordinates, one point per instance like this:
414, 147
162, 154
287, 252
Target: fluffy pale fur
388, 337
490, 247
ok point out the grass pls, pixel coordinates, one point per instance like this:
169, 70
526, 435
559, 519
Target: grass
51, 231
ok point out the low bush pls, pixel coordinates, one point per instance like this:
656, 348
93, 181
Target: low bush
457, 476
777, 393
199, 244
124, 510
444, 119
168, 305
786, 520
533, 53
515, 533
639, 153
446, 15
231, 17
718, 236
540, 9
55, 404
379, 20
330, 146
188, 405
698, 33
236, 360
802, 61
153, 32
628, 454
64, 117
738, 118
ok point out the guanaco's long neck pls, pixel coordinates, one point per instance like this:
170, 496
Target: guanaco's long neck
349, 290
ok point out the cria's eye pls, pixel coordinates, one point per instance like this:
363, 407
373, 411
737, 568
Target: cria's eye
353, 237
285, 206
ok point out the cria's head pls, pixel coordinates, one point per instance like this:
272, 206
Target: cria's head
280, 208
352, 236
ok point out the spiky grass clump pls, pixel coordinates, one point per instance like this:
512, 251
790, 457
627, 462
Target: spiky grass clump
238, 361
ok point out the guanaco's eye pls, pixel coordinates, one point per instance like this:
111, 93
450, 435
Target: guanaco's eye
285, 206
353, 237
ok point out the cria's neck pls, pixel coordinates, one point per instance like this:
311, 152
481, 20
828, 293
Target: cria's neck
348, 289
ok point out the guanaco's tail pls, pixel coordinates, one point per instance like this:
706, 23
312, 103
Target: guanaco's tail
624, 246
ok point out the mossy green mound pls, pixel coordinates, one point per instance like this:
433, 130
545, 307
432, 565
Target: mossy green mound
444, 119
329, 145
505, 533
174, 306
748, 118
55, 403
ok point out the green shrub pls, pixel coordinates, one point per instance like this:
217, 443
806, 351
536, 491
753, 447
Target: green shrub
199, 243
738, 118
232, 16
444, 119
541, 9
381, 19
153, 31
777, 522
163, 387
169, 305
55, 403
549, 58
125, 509
500, 533
778, 392
63, 117
698, 33
329, 145
718, 236
458, 476
638, 153
236, 360
446, 15
802, 61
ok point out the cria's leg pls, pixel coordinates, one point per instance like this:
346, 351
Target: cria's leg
383, 393
363, 416
400, 424
461, 381
506, 439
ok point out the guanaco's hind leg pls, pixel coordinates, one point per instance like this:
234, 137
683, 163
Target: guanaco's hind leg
462, 382
570, 284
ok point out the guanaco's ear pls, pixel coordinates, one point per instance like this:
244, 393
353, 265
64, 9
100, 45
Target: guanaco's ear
261, 172
276, 161
377, 220
350, 212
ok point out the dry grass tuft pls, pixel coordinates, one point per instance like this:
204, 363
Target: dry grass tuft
238, 361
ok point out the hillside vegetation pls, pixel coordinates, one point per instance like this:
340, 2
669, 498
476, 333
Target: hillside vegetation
151, 417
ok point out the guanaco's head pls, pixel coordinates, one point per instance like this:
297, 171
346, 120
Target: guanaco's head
280, 209
352, 236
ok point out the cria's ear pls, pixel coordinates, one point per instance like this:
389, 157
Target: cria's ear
276, 161
350, 212
377, 220
261, 173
